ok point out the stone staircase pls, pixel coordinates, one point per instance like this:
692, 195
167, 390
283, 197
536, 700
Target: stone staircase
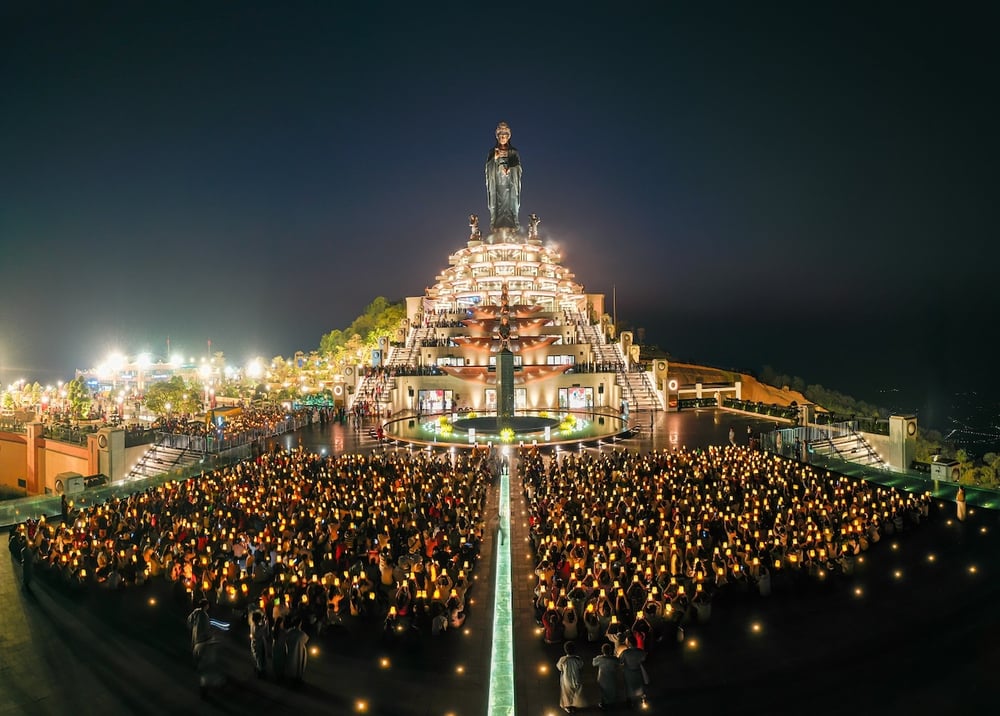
635, 385
404, 356
408, 355
642, 394
849, 446
162, 457
367, 391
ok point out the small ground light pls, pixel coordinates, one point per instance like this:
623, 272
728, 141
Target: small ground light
948, 523
383, 662
858, 591
692, 643
973, 569
931, 557
314, 651
460, 669
755, 627
983, 529
898, 574
152, 601
895, 545
467, 632
361, 706
543, 669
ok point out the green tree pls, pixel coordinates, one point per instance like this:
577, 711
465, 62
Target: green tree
31, 395
381, 319
79, 398
331, 341
929, 444
967, 466
180, 396
280, 366
989, 473
988, 476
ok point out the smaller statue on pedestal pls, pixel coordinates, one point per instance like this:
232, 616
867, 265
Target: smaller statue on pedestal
474, 233
505, 331
533, 227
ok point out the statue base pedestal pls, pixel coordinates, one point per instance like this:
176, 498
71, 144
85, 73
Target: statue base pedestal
504, 235
505, 386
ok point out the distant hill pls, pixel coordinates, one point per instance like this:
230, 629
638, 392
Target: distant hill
752, 389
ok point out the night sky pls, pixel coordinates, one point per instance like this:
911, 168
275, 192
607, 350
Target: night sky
811, 186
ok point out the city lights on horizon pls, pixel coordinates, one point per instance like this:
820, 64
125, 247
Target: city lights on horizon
117, 361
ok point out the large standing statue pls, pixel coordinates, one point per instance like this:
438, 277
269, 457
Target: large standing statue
503, 182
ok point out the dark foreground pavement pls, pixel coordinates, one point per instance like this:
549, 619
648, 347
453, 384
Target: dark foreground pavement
907, 633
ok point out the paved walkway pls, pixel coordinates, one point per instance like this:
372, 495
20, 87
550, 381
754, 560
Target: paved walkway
921, 642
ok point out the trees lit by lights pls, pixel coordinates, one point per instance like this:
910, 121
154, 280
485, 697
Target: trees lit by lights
175, 393
79, 398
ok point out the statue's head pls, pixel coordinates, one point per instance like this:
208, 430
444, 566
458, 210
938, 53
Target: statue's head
503, 133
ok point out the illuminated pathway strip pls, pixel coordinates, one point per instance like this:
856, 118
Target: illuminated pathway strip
501, 702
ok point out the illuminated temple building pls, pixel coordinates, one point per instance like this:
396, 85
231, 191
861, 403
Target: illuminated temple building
506, 330
560, 337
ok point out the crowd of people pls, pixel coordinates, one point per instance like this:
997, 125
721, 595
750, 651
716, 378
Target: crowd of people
632, 548
256, 420
629, 548
296, 538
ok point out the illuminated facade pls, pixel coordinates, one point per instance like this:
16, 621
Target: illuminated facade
448, 363
557, 333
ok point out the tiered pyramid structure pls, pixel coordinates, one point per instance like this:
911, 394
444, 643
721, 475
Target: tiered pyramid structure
536, 281
505, 289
